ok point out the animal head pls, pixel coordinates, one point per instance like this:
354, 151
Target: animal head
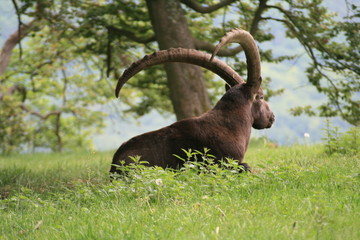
262, 115
250, 90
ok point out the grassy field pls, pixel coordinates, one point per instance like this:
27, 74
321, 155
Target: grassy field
295, 192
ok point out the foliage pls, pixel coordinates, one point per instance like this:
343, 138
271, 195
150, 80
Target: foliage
13, 129
77, 47
333, 47
341, 143
54, 110
295, 192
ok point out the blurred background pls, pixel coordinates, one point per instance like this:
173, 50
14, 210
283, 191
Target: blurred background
60, 61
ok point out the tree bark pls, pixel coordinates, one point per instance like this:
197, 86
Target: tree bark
10, 43
188, 92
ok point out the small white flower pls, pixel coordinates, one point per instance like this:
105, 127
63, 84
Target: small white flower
159, 182
306, 135
191, 166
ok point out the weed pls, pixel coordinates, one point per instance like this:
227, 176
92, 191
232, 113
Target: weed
341, 143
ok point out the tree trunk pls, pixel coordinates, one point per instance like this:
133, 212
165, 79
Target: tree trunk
10, 43
186, 82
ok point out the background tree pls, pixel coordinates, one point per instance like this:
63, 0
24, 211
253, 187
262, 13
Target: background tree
109, 35
46, 96
334, 49
186, 23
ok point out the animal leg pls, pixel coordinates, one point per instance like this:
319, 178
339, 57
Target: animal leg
246, 167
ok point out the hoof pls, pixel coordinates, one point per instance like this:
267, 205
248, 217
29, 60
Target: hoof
245, 167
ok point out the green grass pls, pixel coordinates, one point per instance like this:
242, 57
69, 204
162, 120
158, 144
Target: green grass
295, 192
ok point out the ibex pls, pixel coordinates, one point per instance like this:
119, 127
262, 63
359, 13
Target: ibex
225, 129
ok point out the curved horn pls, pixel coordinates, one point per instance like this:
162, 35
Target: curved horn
190, 56
247, 42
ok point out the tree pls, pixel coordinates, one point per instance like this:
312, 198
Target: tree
185, 23
334, 69
115, 33
46, 96
186, 83
167, 24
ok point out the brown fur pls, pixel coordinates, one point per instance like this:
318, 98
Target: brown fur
225, 130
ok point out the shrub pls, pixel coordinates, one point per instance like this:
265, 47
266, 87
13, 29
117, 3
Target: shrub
341, 143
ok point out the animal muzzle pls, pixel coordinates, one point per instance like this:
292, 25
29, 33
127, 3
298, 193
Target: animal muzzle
271, 120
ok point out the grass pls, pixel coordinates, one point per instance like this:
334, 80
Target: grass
295, 192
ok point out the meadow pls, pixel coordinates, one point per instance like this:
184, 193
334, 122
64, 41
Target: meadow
294, 192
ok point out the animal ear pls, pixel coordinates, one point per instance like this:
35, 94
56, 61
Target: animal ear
227, 87
254, 86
